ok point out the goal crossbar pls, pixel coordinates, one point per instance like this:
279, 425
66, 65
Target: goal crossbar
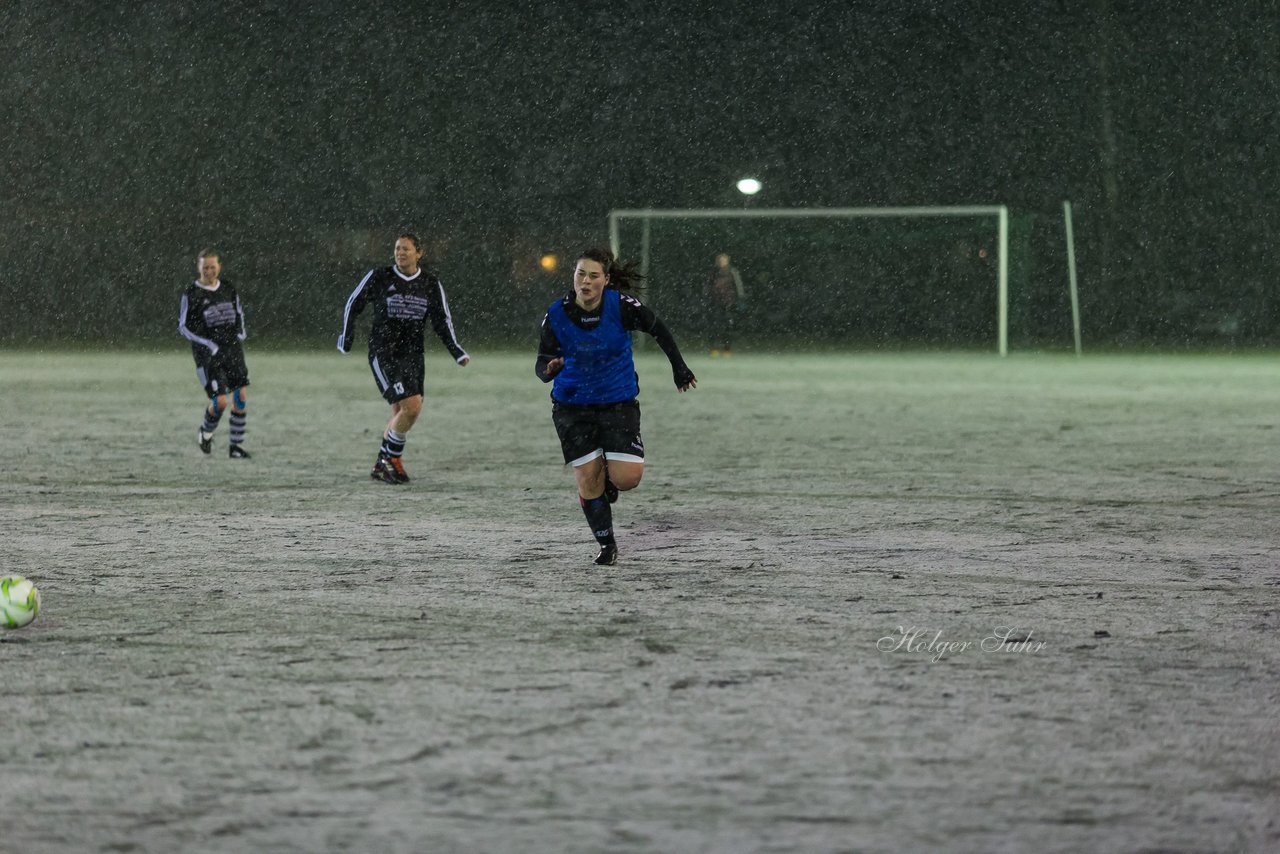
1000, 212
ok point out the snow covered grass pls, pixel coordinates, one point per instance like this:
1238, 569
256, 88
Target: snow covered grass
866, 601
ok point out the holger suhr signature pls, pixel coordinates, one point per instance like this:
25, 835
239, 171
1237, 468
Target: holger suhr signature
1006, 639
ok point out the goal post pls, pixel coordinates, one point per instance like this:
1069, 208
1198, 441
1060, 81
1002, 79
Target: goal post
1000, 213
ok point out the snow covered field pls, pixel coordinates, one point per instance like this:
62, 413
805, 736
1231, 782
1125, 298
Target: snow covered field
866, 602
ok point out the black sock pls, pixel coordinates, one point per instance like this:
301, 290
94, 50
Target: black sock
599, 517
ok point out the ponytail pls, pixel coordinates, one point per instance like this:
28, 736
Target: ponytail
622, 276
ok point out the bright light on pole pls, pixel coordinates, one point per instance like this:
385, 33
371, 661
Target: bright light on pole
749, 186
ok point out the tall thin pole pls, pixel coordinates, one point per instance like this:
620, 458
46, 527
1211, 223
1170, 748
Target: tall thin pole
641, 340
1071, 274
1004, 280
644, 246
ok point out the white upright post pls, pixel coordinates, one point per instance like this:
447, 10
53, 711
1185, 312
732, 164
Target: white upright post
1003, 277
645, 231
615, 241
1071, 275
641, 341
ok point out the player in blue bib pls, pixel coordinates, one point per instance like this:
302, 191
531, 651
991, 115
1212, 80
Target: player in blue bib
585, 353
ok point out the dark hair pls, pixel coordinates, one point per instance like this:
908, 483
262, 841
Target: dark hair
624, 277
412, 238
209, 253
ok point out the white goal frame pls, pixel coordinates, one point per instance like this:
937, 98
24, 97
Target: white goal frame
1000, 212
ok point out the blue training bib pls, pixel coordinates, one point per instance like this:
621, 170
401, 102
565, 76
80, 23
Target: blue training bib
598, 367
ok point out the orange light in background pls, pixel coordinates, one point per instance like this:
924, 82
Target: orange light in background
982, 253
549, 263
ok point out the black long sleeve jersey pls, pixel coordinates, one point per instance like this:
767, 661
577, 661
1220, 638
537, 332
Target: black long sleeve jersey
401, 307
636, 317
211, 318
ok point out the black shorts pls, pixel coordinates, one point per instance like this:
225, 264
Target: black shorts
587, 432
223, 373
397, 378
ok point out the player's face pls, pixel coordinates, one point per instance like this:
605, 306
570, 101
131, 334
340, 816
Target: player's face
407, 255
209, 269
589, 280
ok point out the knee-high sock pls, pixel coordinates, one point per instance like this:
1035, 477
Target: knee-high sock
599, 517
237, 426
212, 415
393, 443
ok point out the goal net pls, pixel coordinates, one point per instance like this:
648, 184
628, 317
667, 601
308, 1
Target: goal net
893, 276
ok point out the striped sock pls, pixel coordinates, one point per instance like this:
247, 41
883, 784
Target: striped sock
393, 443
211, 419
237, 427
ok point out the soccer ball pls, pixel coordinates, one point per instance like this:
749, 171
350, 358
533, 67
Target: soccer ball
19, 602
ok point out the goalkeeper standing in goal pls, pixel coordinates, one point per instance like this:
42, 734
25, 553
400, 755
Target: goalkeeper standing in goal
211, 318
404, 298
725, 298
585, 353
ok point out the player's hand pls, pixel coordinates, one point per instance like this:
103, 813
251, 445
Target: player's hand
464, 361
554, 366
685, 379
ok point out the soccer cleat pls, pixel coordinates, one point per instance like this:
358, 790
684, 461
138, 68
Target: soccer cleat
608, 555
384, 471
610, 491
237, 452
204, 440
397, 467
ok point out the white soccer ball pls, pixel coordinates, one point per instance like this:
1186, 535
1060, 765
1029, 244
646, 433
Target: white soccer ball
19, 602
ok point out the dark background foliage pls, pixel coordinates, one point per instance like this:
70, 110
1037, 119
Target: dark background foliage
301, 140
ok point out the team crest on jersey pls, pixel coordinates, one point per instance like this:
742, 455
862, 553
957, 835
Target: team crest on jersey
220, 314
407, 307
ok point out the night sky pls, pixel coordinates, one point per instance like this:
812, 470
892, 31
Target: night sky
301, 140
